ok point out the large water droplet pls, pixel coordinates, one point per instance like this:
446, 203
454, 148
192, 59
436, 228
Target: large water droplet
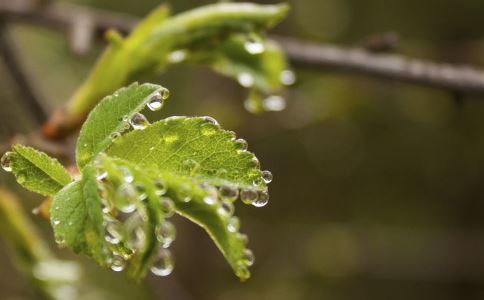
212, 194
228, 193
164, 263
156, 102
138, 121
118, 263
126, 198
233, 225
254, 45
262, 199
245, 79
165, 93
288, 77
127, 175
248, 196
114, 233
274, 103
136, 237
6, 163
166, 233
267, 176
141, 190
167, 207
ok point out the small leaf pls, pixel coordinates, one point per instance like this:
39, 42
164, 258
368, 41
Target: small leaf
106, 120
36, 171
77, 218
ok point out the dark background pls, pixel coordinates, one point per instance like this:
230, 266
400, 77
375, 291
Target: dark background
379, 185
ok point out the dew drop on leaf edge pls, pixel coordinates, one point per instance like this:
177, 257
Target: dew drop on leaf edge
6, 163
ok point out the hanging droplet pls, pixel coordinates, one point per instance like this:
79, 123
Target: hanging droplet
241, 144
156, 102
138, 121
256, 162
141, 190
267, 176
167, 207
126, 198
113, 232
274, 103
115, 135
166, 233
136, 237
118, 263
211, 120
233, 224
262, 199
226, 208
160, 187
254, 45
249, 258
177, 56
246, 79
228, 193
288, 77
248, 196
212, 194
163, 264
6, 163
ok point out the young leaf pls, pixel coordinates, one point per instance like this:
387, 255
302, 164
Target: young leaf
36, 171
77, 218
105, 121
151, 44
195, 147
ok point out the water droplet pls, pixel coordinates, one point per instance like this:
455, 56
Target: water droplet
138, 121
141, 190
160, 187
56, 222
256, 162
274, 103
245, 79
118, 263
136, 237
226, 208
210, 199
177, 56
249, 258
248, 196
167, 207
267, 176
113, 232
126, 198
262, 199
156, 102
21, 178
288, 77
126, 173
165, 93
6, 163
243, 238
189, 165
254, 45
228, 193
241, 144
210, 120
233, 225
115, 135
166, 233
103, 176
163, 264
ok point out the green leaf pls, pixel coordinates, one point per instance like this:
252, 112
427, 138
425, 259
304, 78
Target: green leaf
36, 171
149, 47
106, 120
77, 218
195, 147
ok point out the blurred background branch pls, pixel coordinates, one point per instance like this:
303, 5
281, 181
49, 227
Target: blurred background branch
83, 24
